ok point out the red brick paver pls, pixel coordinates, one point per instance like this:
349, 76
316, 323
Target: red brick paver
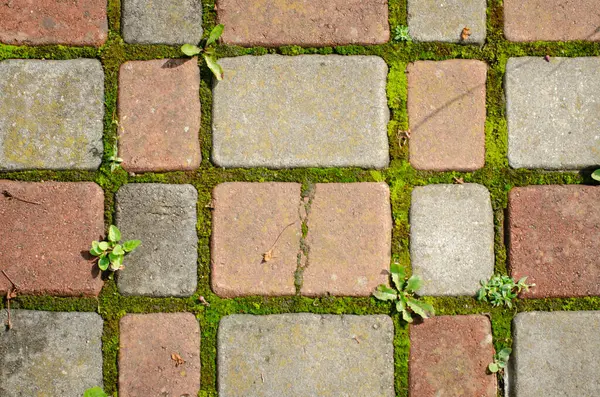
349, 236
274, 23
159, 115
250, 219
554, 238
82, 22
449, 356
551, 20
149, 352
446, 111
47, 230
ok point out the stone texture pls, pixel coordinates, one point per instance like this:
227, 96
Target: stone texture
556, 354
553, 112
44, 246
349, 239
444, 20
250, 219
304, 111
162, 21
446, 110
274, 23
554, 235
449, 356
163, 217
51, 114
40, 22
551, 20
145, 347
50, 353
451, 238
296, 355
159, 115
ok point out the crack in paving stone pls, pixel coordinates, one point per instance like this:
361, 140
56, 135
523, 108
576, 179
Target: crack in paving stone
306, 199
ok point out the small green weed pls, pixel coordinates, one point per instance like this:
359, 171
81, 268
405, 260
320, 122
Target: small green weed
95, 392
500, 360
115, 161
501, 290
401, 34
596, 175
110, 253
403, 295
207, 51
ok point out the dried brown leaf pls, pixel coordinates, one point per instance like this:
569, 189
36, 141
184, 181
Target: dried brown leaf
177, 358
466, 32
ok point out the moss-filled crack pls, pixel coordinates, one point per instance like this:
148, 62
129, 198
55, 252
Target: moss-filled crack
306, 198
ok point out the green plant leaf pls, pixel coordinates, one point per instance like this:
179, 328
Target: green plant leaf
130, 245
420, 308
103, 263
215, 33
406, 316
95, 392
190, 50
504, 354
414, 283
116, 261
398, 274
103, 245
212, 64
596, 175
114, 235
493, 367
385, 293
96, 251
118, 250
400, 305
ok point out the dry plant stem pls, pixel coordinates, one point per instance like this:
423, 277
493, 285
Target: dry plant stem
267, 256
8, 195
11, 293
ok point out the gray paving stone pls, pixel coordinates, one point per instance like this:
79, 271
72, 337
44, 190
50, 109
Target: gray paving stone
50, 353
305, 354
162, 21
163, 217
304, 111
444, 20
51, 114
556, 354
451, 238
553, 112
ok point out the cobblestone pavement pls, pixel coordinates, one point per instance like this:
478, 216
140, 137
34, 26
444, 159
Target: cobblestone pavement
346, 135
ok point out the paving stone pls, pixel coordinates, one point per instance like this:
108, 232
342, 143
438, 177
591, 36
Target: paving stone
47, 230
50, 353
146, 346
40, 22
51, 114
451, 238
449, 356
552, 112
349, 239
159, 115
556, 354
444, 20
446, 110
250, 219
162, 21
297, 355
319, 111
274, 23
551, 20
163, 217
554, 233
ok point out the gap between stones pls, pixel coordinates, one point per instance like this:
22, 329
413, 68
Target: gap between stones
302, 259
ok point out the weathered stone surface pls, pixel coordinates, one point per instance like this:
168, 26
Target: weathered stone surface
451, 238
275, 23
444, 20
249, 220
449, 356
147, 343
163, 217
304, 111
50, 353
51, 114
446, 111
159, 115
47, 230
162, 21
53, 22
554, 235
349, 239
556, 354
294, 355
552, 112
551, 20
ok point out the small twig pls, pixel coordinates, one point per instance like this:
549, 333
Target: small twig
202, 300
10, 294
8, 195
267, 256
8, 278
